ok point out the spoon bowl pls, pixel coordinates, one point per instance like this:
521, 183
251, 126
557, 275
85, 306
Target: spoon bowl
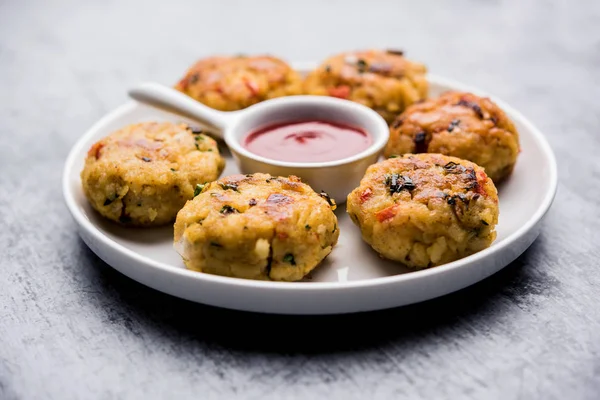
337, 178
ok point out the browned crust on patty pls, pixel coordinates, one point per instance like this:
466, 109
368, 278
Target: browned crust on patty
426, 209
142, 174
462, 125
256, 227
384, 80
234, 83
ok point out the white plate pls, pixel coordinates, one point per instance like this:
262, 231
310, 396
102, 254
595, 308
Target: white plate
353, 278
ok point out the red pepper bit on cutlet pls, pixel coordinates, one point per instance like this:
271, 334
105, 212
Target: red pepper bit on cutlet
252, 87
342, 91
386, 213
481, 179
366, 195
94, 151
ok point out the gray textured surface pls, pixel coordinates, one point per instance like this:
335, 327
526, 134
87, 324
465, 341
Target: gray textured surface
73, 328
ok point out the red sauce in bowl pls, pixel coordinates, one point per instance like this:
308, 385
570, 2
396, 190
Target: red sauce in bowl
307, 141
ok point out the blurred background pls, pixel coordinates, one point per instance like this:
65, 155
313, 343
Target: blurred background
95, 51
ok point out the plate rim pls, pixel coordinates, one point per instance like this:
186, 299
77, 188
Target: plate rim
84, 223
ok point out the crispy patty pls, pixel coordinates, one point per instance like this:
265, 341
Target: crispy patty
425, 210
384, 80
234, 83
256, 227
142, 174
461, 125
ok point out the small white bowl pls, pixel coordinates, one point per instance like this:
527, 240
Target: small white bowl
337, 178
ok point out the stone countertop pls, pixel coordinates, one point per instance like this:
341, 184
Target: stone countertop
71, 327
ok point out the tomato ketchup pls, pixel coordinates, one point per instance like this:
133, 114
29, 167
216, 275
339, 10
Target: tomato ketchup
307, 141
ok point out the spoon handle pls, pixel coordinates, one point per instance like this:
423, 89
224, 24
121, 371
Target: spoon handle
171, 100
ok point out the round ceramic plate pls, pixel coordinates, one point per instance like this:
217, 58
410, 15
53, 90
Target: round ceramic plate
353, 278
